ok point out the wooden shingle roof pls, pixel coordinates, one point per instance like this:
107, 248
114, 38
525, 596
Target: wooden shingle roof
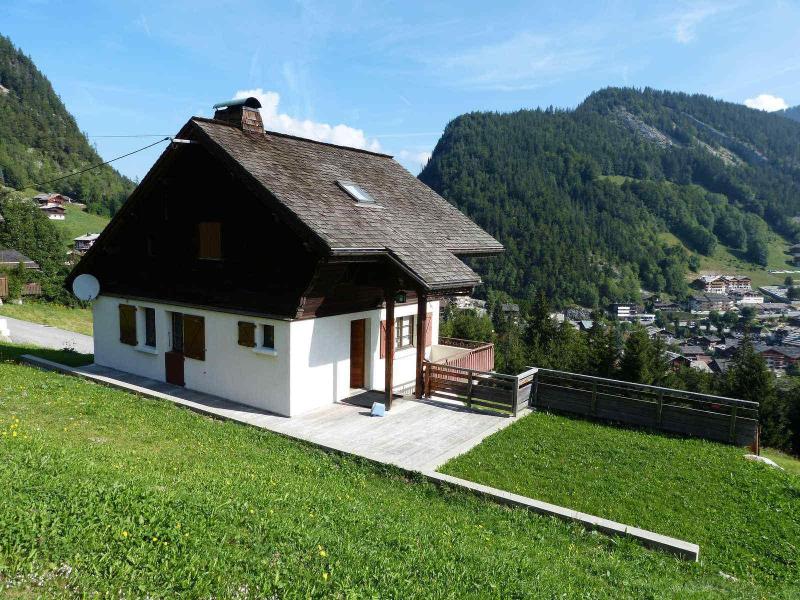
410, 223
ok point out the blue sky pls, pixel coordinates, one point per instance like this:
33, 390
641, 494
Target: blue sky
389, 75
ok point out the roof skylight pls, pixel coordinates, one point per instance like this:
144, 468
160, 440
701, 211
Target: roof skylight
357, 193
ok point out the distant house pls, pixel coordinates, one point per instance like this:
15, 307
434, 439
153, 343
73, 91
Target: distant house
746, 297
708, 302
691, 352
676, 361
54, 212
624, 311
10, 260
722, 284
510, 311
667, 306
779, 358
707, 342
59, 199
83, 242
317, 278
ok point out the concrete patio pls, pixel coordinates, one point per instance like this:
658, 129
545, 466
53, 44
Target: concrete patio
419, 435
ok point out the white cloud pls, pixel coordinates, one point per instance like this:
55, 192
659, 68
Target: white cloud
524, 61
341, 134
687, 22
413, 160
766, 102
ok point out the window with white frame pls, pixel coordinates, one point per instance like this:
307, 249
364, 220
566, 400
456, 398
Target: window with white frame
404, 332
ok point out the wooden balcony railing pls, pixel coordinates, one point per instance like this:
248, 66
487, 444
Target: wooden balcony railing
478, 356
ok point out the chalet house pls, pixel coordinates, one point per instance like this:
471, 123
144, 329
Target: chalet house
708, 302
746, 297
83, 242
54, 212
722, 284
304, 272
9, 261
779, 358
623, 310
59, 199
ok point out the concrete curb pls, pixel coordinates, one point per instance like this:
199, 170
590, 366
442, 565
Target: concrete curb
680, 548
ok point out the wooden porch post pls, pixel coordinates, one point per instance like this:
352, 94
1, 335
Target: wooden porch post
422, 312
389, 353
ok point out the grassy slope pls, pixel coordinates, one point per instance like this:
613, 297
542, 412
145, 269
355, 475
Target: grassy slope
730, 262
79, 222
725, 260
743, 515
12, 352
55, 315
130, 494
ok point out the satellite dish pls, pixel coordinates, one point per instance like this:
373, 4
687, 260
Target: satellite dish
86, 287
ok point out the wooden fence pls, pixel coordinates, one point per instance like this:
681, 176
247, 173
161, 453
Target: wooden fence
480, 389
480, 357
711, 417
3, 287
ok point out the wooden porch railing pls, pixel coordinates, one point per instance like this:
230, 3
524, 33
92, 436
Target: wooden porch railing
701, 415
479, 358
481, 389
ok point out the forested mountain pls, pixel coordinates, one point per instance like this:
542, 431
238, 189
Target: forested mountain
40, 140
793, 113
582, 199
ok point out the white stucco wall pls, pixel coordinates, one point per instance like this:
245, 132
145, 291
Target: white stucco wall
310, 368
229, 370
320, 356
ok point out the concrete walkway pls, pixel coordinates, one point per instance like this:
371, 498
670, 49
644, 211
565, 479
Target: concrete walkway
418, 435
44, 336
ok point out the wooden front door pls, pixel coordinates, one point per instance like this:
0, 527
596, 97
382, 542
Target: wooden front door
174, 359
357, 354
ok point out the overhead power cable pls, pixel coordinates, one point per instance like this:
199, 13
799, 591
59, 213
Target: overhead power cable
97, 166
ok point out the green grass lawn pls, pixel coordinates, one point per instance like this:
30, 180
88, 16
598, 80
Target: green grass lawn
745, 516
55, 315
108, 494
79, 222
13, 352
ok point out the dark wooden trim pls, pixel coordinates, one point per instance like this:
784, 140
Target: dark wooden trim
422, 314
389, 352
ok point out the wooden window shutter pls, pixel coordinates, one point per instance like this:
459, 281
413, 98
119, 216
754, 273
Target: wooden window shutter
383, 340
247, 334
194, 337
209, 240
429, 329
127, 324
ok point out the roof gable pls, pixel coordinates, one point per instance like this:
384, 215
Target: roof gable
410, 222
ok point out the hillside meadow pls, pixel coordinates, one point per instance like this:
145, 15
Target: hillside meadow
109, 494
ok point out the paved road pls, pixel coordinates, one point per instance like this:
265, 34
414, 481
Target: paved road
25, 332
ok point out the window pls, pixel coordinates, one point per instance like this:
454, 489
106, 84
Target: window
357, 193
177, 332
150, 327
127, 324
209, 236
247, 334
268, 336
404, 332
